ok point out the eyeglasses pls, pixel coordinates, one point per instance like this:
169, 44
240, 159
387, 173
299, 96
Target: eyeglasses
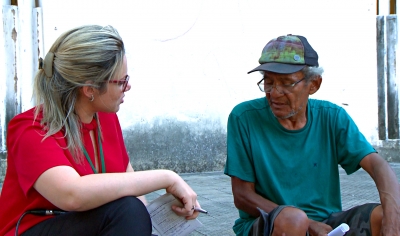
283, 88
121, 83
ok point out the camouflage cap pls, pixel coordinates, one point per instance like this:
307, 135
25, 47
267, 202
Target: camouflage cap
286, 55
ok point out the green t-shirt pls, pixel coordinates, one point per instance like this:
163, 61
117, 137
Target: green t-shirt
293, 167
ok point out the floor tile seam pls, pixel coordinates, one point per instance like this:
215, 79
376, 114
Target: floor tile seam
216, 203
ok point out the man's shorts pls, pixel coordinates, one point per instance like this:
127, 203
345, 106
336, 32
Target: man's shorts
358, 219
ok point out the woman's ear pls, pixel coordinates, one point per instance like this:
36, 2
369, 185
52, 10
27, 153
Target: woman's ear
87, 91
315, 85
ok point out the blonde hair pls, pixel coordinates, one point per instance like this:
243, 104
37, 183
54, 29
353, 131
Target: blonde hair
88, 53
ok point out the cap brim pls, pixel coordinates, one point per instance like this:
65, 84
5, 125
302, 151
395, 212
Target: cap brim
278, 68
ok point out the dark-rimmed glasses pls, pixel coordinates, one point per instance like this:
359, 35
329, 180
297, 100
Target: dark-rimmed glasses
282, 88
121, 83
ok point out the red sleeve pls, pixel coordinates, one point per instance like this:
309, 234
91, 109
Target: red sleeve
27, 158
33, 155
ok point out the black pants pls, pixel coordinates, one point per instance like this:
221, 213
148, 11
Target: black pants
125, 216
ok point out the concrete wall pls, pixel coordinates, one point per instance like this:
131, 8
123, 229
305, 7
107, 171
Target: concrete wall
389, 149
188, 62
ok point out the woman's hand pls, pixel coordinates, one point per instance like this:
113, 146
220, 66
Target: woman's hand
183, 192
182, 211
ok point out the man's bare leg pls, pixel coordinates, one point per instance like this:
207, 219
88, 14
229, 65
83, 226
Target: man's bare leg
290, 222
376, 220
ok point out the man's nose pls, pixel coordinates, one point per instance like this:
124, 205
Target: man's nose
275, 90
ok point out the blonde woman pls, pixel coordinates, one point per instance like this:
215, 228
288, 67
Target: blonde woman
68, 169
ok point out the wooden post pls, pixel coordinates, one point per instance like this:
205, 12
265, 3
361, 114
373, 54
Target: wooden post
392, 90
381, 74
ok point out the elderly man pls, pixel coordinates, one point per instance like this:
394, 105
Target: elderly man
284, 150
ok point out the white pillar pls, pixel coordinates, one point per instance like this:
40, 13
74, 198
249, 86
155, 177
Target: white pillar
398, 54
2, 83
26, 70
11, 96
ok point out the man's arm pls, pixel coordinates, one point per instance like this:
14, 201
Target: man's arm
389, 191
246, 198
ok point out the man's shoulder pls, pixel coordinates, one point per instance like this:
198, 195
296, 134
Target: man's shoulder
250, 105
323, 104
327, 111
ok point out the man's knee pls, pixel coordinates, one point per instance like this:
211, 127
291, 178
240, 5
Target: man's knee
376, 220
292, 219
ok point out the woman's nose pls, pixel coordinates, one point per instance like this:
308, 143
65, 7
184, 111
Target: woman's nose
128, 87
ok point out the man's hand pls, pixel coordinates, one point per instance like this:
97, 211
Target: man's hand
316, 228
389, 193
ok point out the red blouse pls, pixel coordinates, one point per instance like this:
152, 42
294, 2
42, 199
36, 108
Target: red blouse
28, 156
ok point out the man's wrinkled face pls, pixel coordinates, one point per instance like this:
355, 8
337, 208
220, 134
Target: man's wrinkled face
290, 105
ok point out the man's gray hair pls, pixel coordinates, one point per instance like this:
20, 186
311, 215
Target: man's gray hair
311, 73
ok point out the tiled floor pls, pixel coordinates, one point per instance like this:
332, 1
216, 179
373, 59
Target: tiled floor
215, 195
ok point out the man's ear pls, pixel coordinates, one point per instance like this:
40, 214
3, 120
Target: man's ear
315, 85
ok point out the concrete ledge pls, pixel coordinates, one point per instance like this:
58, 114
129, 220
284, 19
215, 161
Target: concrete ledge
181, 146
388, 149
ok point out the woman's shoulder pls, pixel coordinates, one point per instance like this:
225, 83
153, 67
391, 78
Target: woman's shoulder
25, 116
103, 116
22, 124
108, 121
